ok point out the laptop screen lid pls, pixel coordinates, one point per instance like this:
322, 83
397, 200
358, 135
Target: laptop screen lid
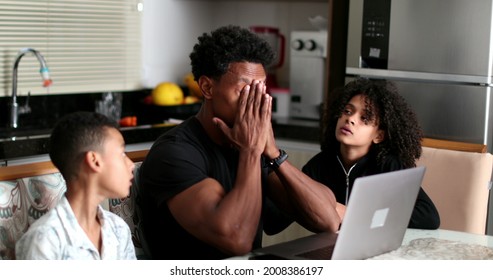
378, 213
376, 219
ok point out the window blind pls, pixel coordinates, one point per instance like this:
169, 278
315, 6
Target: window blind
89, 46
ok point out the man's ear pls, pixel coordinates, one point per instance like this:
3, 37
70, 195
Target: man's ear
93, 160
206, 85
380, 137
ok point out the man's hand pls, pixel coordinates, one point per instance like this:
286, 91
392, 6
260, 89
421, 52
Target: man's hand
271, 150
252, 126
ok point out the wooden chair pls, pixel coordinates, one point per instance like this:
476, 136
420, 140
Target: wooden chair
454, 145
457, 178
46, 167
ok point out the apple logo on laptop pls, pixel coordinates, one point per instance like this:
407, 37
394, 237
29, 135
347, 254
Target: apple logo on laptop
379, 218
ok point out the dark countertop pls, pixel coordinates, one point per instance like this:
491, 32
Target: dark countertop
32, 145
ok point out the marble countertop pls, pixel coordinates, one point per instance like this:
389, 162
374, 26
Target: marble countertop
441, 245
26, 145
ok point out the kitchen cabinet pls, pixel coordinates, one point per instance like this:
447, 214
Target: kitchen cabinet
337, 36
30, 147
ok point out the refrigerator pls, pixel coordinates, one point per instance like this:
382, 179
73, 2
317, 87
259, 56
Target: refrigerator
438, 53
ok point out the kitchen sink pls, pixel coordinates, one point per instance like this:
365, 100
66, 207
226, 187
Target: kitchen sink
24, 132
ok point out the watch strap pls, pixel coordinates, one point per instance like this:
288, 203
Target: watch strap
276, 162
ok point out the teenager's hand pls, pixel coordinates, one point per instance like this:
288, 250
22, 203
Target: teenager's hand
341, 210
252, 126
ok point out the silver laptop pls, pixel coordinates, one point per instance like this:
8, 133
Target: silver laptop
376, 219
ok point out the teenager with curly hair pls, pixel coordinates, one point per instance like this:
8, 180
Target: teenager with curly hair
369, 129
211, 185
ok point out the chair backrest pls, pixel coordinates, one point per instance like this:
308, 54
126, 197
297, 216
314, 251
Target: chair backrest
454, 145
22, 202
457, 179
29, 190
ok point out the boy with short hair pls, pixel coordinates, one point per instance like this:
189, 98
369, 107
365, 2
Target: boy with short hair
89, 151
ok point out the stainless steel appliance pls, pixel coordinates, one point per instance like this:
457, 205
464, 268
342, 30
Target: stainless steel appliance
438, 52
308, 52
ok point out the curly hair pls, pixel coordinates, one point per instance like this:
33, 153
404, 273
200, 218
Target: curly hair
214, 52
390, 112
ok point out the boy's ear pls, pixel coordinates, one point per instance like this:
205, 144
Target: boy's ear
206, 84
380, 137
93, 160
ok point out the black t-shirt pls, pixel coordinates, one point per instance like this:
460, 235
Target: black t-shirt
326, 169
180, 158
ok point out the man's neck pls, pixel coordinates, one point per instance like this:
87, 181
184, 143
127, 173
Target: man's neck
205, 118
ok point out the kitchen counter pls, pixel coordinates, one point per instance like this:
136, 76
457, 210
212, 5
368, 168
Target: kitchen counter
26, 145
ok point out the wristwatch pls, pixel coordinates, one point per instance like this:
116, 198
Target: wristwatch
276, 162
